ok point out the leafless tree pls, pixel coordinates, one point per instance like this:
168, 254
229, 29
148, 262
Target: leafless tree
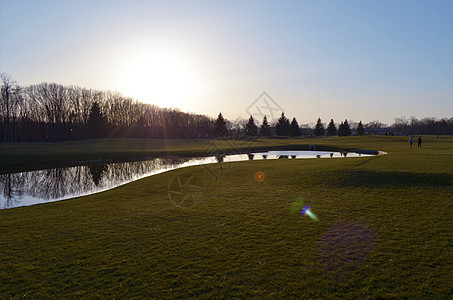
10, 107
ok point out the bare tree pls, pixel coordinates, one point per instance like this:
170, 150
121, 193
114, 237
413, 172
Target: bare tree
10, 100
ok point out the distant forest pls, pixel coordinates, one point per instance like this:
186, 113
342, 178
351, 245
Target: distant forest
53, 112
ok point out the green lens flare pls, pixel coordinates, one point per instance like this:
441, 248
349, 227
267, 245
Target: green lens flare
297, 205
311, 215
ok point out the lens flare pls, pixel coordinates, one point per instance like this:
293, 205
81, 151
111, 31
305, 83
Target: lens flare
305, 209
260, 176
298, 205
307, 212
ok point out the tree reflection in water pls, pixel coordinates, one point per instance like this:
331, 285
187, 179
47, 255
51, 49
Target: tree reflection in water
26, 188
96, 172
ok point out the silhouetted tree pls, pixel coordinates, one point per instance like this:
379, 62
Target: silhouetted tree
251, 129
9, 108
295, 130
283, 126
374, 127
360, 129
220, 128
97, 122
307, 129
344, 129
265, 129
331, 128
319, 128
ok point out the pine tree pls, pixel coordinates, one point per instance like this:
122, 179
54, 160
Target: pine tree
341, 129
97, 122
283, 126
265, 129
319, 128
251, 129
220, 128
344, 129
360, 129
347, 128
331, 129
295, 130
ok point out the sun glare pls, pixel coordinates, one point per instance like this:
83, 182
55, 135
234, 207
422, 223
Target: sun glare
160, 78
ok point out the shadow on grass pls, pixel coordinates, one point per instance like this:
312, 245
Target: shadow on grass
344, 247
364, 178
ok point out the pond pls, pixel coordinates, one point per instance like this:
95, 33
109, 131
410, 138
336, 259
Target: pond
27, 188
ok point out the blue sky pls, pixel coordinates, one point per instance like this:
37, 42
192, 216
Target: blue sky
355, 60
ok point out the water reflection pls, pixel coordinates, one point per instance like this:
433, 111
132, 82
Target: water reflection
219, 158
19, 189
26, 188
97, 171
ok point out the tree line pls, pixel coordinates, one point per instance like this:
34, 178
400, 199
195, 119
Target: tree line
53, 112
431, 126
283, 127
344, 129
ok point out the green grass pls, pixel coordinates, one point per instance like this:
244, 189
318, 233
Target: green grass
384, 231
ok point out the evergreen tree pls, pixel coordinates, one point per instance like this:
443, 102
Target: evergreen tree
295, 130
265, 129
341, 129
319, 128
331, 128
360, 129
347, 128
97, 122
220, 128
251, 129
344, 129
283, 126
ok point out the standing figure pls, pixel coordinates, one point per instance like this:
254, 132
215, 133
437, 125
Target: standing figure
411, 141
419, 141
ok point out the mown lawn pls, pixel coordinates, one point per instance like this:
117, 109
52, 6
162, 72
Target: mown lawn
384, 231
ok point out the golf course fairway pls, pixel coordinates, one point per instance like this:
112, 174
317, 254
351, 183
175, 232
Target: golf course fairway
383, 230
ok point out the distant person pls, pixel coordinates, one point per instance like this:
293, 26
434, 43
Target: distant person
419, 141
411, 141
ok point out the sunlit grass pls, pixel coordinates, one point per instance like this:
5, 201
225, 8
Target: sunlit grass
384, 231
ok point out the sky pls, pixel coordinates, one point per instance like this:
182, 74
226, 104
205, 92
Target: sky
355, 60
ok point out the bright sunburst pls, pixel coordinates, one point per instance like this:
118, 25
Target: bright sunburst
160, 78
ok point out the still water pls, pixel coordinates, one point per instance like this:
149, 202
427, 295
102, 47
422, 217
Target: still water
27, 188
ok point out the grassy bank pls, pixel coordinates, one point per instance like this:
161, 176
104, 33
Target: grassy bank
384, 230
23, 157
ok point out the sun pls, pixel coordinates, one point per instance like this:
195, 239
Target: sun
160, 78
